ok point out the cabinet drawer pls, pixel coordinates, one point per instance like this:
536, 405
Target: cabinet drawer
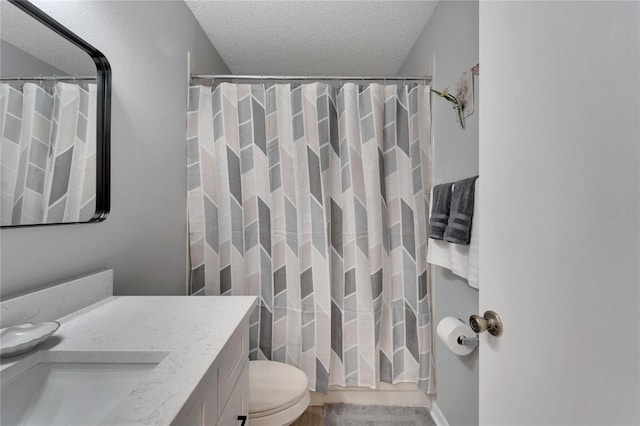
233, 358
238, 403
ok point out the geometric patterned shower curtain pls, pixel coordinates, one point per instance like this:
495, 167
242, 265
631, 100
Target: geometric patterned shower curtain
315, 200
47, 153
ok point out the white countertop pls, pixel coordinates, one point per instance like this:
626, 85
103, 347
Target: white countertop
184, 333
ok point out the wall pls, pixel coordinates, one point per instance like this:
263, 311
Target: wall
16, 61
560, 159
144, 238
452, 36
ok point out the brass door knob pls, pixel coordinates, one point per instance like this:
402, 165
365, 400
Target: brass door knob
490, 322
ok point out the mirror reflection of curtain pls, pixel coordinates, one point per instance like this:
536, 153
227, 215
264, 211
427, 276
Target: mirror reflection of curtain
315, 200
48, 153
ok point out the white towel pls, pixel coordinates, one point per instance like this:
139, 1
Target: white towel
462, 260
438, 253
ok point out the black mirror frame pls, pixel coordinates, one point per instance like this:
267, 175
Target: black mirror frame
103, 122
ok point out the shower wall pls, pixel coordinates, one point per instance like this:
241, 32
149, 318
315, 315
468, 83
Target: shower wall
447, 47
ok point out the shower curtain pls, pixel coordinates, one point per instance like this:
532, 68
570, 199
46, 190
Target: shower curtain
315, 200
47, 153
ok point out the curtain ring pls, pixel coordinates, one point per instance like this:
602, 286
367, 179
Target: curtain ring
74, 79
262, 79
384, 80
236, 79
41, 81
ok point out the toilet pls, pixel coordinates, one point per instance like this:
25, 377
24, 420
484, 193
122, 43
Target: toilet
278, 393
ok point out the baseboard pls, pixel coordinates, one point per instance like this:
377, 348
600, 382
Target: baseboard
404, 394
437, 415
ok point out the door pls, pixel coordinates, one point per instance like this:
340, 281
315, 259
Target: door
559, 161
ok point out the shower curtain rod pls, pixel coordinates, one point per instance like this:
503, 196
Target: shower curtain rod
304, 77
51, 78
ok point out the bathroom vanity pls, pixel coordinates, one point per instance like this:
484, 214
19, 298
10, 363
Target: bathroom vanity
163, 360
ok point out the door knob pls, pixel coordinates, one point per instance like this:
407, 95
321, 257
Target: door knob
490, 322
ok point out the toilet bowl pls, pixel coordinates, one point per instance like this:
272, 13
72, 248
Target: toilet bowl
278, 393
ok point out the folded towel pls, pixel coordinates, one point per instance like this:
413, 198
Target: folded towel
459, 227
460, 259
465, 260
439, 253
441, 204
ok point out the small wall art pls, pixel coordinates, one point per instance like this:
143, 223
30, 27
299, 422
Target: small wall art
464, 93
462, 97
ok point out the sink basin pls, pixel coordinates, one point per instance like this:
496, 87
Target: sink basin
68, 393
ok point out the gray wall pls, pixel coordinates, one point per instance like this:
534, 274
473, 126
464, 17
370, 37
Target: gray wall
452, 36
15, 62
144, 238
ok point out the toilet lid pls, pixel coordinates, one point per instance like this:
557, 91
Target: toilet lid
274, 386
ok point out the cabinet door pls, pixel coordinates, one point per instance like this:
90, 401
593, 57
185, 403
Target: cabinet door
232, 359
194, 416
210, 408
202, 407
238, 403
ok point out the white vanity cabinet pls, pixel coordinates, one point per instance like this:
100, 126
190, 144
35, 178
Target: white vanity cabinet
223, 395
197, 349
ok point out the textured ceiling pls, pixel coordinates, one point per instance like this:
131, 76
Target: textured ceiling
313, 37
26, 33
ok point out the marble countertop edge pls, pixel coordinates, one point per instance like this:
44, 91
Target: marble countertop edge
183, 334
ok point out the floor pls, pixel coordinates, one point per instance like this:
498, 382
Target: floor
314, 416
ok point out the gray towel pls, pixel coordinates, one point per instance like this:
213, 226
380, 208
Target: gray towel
459, 227
440, 211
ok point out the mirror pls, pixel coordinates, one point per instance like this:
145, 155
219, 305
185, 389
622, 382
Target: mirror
54, 122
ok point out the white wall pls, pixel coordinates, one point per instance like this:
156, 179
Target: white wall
16, 61
144, 238
559, 158
452, 35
